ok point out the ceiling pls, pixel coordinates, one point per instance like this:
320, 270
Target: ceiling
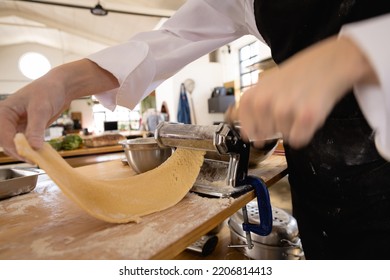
77, 30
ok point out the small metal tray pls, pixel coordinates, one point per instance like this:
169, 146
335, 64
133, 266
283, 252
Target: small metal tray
15, 181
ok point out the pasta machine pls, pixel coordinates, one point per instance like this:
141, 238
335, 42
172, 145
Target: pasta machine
224, 172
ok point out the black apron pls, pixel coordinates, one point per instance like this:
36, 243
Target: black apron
340, 185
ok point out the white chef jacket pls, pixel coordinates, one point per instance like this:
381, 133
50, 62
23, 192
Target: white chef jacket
201, 26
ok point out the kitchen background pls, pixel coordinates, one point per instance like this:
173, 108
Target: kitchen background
63, 33
68, 31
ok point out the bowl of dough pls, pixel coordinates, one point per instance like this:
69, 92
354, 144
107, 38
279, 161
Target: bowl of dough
144, 154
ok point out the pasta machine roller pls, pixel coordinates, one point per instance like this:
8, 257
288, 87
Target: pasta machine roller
224, 172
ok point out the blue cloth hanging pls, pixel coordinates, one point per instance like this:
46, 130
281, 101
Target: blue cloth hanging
183, 112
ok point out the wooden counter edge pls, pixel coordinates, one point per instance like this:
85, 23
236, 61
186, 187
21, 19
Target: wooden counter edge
203, 229
71, 153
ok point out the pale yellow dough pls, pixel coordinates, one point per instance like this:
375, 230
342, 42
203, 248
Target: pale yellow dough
119, 200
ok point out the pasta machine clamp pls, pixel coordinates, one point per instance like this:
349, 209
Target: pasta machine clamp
224, 172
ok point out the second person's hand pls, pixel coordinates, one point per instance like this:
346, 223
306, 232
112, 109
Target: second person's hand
295, 98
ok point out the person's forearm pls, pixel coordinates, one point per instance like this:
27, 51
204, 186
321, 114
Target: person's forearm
355, 63
82, 78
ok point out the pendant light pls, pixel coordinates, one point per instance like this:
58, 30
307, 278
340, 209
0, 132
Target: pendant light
98, 10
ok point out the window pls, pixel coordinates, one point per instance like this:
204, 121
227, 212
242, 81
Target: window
249, 56
125, 118
34, 65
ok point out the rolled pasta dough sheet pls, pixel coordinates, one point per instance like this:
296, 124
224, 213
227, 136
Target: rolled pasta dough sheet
119, 200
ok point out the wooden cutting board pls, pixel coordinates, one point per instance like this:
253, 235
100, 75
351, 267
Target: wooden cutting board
44, 224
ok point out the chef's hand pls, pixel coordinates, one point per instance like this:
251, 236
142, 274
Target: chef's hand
296, 97
31, 109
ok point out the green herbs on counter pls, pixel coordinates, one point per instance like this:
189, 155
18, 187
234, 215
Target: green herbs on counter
68, 142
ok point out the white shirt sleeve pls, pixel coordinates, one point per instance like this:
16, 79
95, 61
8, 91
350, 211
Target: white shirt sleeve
373, 37
149, 58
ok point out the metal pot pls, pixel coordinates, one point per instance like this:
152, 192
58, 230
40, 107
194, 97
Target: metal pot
283, 243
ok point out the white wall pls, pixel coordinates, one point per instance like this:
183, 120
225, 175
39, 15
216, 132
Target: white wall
206, 75
11, 79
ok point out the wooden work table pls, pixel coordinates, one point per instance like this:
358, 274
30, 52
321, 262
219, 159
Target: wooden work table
44, 224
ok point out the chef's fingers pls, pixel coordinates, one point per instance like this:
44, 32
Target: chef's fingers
245, 116
307, 120
258, 144
9, 117
302, 130
231, 114
257, 114
247, 124
8, 144
39, 114
264, 123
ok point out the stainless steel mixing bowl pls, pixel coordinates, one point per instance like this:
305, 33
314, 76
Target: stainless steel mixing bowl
144, 154
259, 154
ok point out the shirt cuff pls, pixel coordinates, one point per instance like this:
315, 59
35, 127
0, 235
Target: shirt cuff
128, 59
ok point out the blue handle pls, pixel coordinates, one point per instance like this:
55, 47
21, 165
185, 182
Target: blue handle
265, 209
